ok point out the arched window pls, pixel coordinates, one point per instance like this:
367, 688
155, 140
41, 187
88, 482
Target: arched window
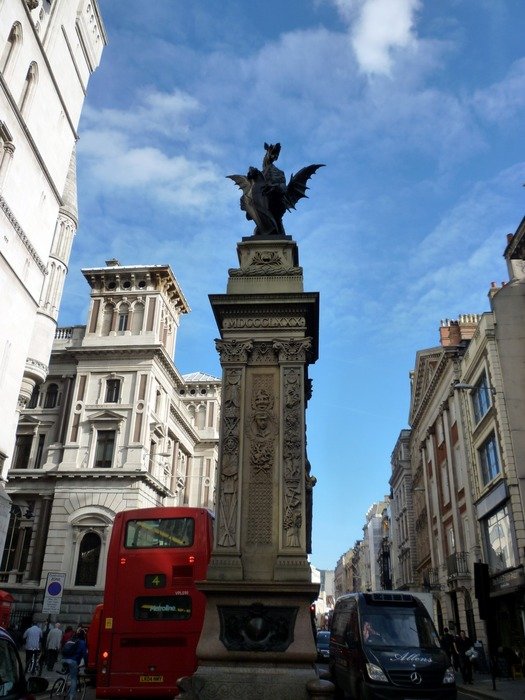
123, 317
14, 41
137, 319
33, 401
29, 88
88, 560
51, 396
107, 319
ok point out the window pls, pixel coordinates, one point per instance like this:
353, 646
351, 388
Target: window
481, 398
51, 396
33, 401
22, 451
18, 540
29, 88
12, 47
164, 532
498, 541
112, 390
123, 316
105, 448
88, 559
488, 457
40, 451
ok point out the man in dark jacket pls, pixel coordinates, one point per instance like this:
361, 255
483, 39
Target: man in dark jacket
73, 652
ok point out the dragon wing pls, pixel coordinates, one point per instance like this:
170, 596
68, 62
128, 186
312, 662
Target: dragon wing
297, 187
242, 182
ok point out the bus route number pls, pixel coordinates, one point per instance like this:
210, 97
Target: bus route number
155, 581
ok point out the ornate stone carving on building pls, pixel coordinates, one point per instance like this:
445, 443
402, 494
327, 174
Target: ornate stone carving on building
261, 431
257, 627
264, 322
293, 350
233, 350
293, 455
266, 262
263, 354
229, 469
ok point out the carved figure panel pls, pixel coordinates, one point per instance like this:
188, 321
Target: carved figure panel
261, 434
293, 456
229, 463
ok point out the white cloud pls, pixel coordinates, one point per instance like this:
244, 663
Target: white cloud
502, 101
378, 28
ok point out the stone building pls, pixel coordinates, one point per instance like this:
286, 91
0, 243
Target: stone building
114, 426
48, 52
457, 474
402, 530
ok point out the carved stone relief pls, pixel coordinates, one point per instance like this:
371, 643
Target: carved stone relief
264, 322
266, 262
261, 431
234, 350
293, 350
293, 454
229, 465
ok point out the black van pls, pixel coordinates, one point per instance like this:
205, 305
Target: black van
13, 684
384, 645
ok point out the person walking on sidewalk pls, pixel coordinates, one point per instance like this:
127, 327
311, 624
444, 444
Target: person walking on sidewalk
463, 644
53, 644
32, 638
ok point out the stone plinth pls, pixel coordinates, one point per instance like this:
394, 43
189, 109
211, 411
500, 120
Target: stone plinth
257, 627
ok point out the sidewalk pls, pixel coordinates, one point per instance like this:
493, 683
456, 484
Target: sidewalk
506, 688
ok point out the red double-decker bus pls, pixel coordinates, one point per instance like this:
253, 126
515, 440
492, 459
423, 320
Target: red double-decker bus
152, 613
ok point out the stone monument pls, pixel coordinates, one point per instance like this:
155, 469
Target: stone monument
258, 640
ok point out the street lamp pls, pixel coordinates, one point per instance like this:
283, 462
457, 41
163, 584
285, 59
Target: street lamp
463, 386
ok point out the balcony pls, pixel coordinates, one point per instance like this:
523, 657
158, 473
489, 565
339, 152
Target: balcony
457, 567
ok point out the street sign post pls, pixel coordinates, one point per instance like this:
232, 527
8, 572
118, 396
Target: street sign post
53, 594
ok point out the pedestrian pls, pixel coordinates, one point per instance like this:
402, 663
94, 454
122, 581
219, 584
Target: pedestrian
32, 638
53, 644
447, 644
74, 652
68, 633
463, 645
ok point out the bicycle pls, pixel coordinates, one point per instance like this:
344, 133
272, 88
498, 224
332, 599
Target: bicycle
61, 686
33, 665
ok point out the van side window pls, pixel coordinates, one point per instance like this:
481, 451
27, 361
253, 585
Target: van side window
340, 622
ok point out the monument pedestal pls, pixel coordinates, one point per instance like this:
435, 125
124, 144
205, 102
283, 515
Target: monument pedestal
257, 641
258, 638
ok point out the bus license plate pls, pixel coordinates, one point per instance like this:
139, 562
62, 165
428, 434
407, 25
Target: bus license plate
151, 679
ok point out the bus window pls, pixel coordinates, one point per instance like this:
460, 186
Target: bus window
164, 532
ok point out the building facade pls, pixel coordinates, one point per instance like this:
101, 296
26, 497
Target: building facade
114, 426
466, 454
48, 52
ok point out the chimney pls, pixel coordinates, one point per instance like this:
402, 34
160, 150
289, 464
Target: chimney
113, 263
453, 333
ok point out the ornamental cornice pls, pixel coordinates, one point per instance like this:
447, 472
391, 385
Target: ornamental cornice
111, 474
426, 394
22, 235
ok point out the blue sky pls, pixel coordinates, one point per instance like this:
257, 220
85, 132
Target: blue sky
417, 109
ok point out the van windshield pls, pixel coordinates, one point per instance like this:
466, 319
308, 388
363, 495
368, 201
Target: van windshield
399, 628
